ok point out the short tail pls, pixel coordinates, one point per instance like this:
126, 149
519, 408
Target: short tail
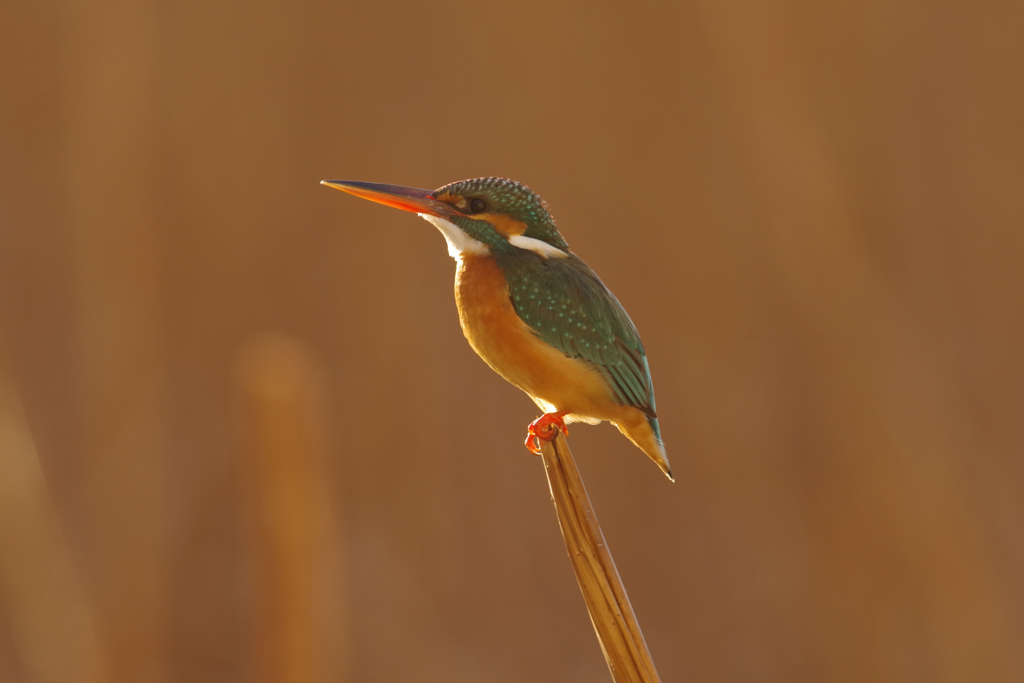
646, 434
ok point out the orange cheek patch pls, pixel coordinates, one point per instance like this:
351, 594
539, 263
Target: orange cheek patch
508, 227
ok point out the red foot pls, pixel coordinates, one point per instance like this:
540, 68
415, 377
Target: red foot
544, 427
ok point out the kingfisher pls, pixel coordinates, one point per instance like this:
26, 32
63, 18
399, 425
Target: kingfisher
533, 310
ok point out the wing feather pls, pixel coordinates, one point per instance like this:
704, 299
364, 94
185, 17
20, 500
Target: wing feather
568, 306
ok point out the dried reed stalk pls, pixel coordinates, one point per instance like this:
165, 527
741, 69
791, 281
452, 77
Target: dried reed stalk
45, 609
614, 621
297, 637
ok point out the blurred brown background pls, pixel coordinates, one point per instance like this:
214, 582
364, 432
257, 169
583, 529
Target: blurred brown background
243, 439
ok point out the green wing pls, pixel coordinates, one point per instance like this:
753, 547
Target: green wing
569, 307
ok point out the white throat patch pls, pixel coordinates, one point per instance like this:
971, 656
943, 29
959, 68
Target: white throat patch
459, 242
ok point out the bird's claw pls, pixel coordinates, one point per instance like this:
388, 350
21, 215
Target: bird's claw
545, 427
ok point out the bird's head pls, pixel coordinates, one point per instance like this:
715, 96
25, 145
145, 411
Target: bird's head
478, 216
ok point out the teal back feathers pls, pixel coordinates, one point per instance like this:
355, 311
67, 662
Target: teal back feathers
568, 307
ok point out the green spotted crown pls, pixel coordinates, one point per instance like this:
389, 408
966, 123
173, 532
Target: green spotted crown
486, 199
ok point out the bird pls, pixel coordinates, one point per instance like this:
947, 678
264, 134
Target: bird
533, 310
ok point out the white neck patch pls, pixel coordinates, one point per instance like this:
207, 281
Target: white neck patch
459, 242
536, 246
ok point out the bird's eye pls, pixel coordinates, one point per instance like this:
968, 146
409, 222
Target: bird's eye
477, 206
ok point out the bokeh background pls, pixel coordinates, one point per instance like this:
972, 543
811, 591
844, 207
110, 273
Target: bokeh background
243, 439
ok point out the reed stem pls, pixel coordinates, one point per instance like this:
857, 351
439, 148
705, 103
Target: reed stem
617, 629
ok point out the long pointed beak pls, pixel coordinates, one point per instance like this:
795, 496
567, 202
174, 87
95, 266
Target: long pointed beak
404, 198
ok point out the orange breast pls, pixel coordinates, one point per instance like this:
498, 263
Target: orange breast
509, 346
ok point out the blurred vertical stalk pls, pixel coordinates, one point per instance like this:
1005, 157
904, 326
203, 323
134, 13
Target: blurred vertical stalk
49, 621
617, 629
109, 179
299, 634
